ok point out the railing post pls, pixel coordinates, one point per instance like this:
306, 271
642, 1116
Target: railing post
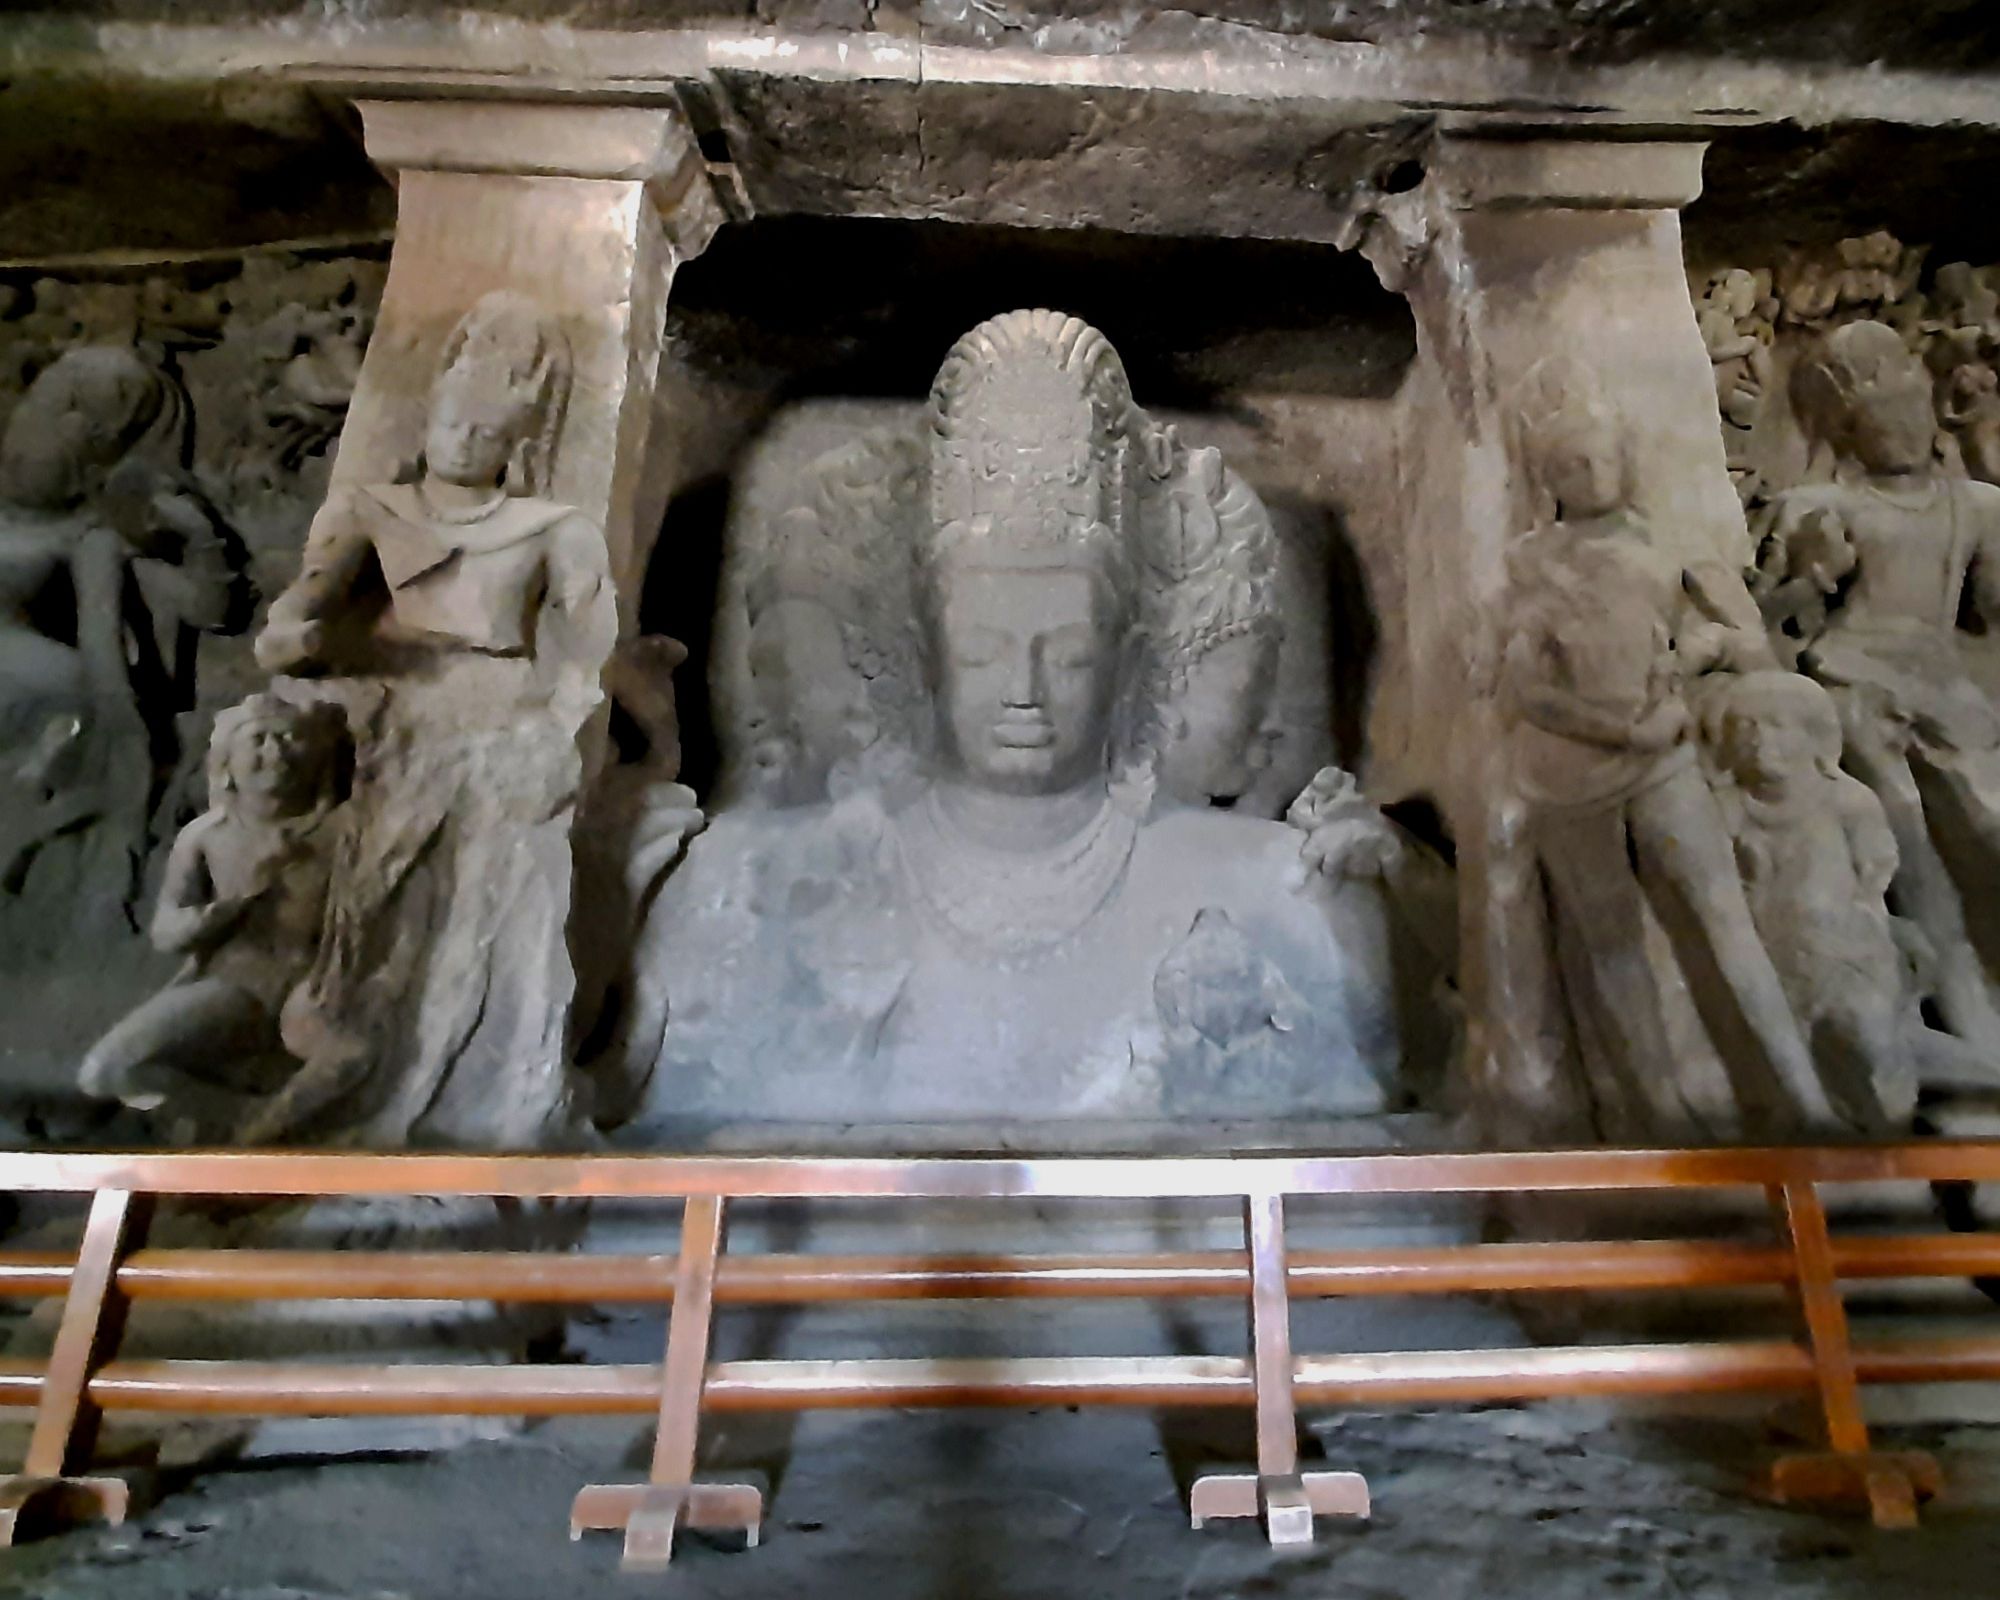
1286, 1498
65, 1431
653, 1512
1892, 1482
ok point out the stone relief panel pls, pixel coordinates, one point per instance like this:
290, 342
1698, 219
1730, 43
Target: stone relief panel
1855, 394
462, 621
165, 440
1608, 643
986, 680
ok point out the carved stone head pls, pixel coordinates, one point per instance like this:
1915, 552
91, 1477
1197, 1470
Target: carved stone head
273, 758
1573, 440
1772, 729
496, 406
90, 410
1026, 593
809, 701
1211, 628
1868, 396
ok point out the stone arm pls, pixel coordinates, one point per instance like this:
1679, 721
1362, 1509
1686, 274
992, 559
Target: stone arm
1721, 629
197, 586
337, 551
1869, 840
97, 574
191, 916
578, 627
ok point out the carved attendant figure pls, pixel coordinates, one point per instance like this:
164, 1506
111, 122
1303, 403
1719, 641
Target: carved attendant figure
242, 899
93, 502
1210, 627
1601, 632
480, 615
1899, 551
471, 557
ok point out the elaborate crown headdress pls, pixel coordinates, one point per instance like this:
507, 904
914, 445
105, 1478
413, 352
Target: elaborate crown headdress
515, 345
1031, 440
1211, 564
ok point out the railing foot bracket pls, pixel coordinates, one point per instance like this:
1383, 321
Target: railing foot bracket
1890, 1483
1287, 1504
61, 1502
651, 1514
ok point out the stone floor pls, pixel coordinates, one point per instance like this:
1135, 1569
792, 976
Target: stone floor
1556, 1503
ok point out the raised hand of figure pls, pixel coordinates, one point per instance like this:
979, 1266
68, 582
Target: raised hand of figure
1345, 836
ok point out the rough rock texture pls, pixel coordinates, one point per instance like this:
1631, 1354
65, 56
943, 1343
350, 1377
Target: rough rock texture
1945, 33
1535, 1504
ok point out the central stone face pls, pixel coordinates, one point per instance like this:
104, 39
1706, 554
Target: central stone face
982, 879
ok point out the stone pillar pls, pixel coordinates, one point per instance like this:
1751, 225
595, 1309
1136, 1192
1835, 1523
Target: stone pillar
447, 971
1538, 245
589, 209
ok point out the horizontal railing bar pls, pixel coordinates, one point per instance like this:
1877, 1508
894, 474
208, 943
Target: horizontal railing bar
991, 1381
553, 1279
251, 1388
1406, 1377
253, 1173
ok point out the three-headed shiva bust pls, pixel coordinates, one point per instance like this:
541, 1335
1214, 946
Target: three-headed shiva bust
1014, 919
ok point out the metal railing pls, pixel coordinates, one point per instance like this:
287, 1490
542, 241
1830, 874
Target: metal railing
83, 1377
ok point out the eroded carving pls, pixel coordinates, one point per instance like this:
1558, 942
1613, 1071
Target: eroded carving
1897, 551
111, 563
465, 618
1604, 635
243, 899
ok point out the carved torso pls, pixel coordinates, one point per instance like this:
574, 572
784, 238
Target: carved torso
477, 584
1590, 616
810, 979
1894, 635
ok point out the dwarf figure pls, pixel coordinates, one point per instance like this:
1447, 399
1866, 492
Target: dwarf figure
243, 898
1817, 856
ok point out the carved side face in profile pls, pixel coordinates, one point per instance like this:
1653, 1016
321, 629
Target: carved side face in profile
1866, 394
1216, 743
1026, 664
1774, 730
1211, 625
87, 411
274, 759
809, 707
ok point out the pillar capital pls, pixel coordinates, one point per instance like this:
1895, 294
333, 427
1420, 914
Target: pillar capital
649, 145
1496, 170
